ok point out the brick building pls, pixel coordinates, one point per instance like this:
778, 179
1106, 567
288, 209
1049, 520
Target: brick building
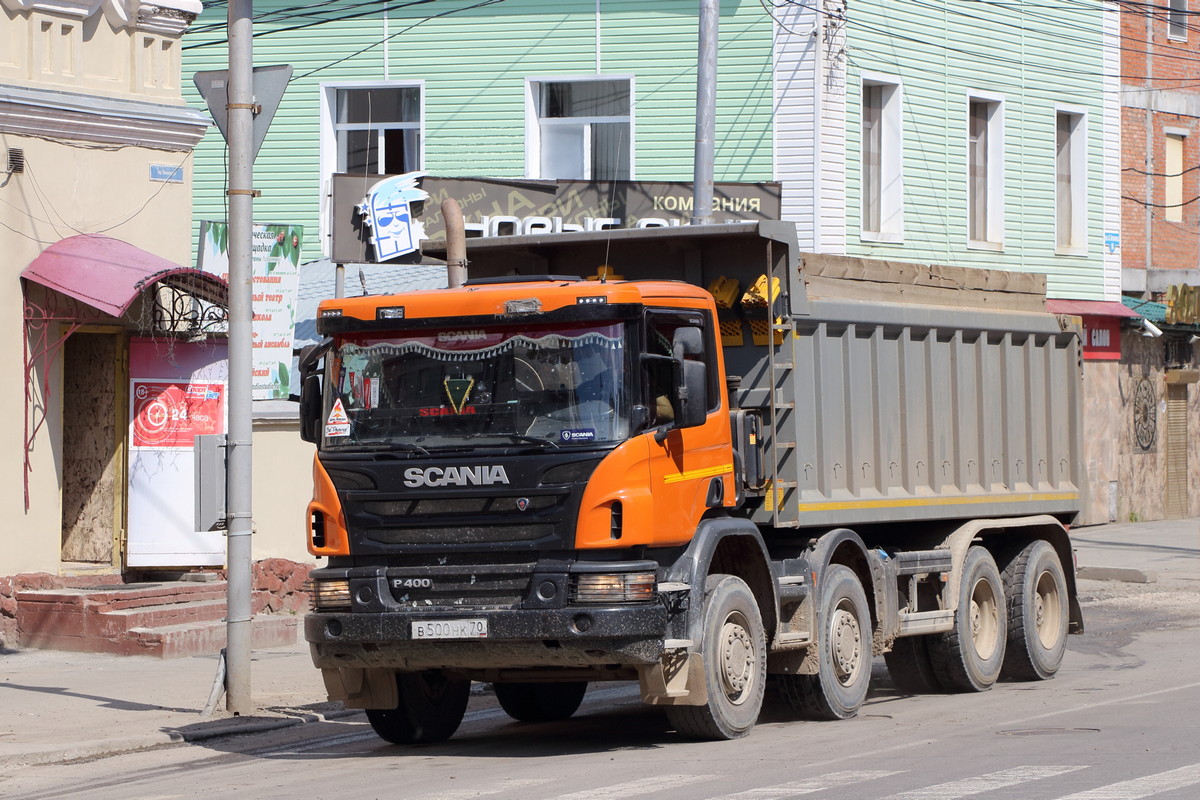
1149, 465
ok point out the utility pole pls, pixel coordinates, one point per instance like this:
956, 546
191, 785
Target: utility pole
241, 108
706, 112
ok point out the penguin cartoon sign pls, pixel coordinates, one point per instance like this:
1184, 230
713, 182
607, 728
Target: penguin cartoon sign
386, 208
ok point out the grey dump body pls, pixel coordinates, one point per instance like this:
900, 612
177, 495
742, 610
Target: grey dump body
889, 392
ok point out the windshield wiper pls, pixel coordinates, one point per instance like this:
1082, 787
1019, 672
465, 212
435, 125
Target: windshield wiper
520, 437
385, 446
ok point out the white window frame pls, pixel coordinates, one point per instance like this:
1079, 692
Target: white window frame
994, 188
533, 122
1173, 171
329, 141
891, 160
1074, 242
1177, 20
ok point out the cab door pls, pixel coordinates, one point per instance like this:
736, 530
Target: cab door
691, 469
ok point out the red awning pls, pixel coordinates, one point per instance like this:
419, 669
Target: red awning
1089, 308
108, 274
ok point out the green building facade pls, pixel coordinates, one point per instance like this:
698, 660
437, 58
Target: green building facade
972, 133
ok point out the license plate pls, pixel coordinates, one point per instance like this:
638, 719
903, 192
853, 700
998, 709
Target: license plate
450, 629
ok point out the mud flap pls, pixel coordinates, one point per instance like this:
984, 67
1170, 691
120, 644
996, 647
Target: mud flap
676, 680
362, 688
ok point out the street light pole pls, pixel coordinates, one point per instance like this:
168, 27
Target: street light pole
706, 112
239, 463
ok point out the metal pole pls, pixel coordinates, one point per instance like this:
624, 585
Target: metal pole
339, 280
456, 243
241, 295
706, 112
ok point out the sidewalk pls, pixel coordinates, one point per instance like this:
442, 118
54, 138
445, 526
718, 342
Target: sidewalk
61, 706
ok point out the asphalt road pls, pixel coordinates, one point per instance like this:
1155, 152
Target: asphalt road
1117, 723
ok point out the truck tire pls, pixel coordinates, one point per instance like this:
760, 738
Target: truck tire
540, 702
735, 664
844, 644
1035, 587
968, 657
431, 707
910, 667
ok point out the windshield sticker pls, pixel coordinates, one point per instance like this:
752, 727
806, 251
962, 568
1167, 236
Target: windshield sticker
337, 424
458, 390
442, 411
580, 435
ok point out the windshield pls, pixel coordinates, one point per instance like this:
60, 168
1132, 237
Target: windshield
549, 386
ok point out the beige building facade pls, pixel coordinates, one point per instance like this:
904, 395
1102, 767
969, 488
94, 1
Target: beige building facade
96, 178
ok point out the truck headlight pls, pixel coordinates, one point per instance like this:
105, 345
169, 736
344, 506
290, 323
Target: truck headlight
330, 596
619, 587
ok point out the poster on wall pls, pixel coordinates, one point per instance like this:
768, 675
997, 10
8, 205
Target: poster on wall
171, 414
276, 278
177, 391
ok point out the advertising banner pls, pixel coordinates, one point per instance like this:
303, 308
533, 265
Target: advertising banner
276, 276
506, 207
170, 415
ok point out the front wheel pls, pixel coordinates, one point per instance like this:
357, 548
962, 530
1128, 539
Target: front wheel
540, 702
430, 709
735, 664
844, 644
1036, 590
968, 657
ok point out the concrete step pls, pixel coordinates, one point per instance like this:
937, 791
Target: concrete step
175, 641
132, 595
207, 638
167, 619
112, 624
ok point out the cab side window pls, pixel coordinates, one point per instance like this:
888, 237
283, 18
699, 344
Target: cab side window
660, 331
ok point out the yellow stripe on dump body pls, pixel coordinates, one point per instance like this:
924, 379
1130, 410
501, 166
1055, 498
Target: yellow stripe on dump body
1026, 497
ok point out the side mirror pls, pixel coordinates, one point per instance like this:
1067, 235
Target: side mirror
310, 390
693, 391
310, 408
687, 342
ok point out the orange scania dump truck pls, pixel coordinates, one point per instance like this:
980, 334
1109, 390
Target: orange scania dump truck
695, 458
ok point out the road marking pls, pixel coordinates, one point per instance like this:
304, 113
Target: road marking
467, 794
830, 781
1142, 787
982, 783
635, 788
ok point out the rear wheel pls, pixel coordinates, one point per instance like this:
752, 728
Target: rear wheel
1036, 591
910, 668
430, 709
968, 657
540, 702
844, 643
735, 664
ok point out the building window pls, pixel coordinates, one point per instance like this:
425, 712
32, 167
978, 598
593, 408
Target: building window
377, 129
1173, 180
1177, 19
1070, 169
985, 172
583, 129
882, 176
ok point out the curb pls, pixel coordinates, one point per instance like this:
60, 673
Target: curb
1124, 574
128, 744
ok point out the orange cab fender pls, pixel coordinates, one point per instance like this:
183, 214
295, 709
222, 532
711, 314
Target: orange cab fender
327, 534
729, 546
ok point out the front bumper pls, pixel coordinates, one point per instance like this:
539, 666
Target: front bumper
577, 636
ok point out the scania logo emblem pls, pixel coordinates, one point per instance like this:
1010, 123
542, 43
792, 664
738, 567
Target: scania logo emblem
523, 504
